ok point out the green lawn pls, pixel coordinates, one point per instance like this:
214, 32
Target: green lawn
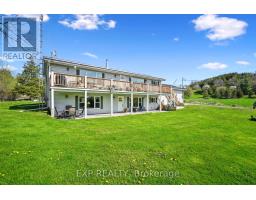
196, 145
243, 102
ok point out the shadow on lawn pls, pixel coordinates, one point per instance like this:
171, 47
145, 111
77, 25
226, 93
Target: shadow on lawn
28, 107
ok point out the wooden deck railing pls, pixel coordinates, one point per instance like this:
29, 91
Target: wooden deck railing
74, 81
98, 83
71, 81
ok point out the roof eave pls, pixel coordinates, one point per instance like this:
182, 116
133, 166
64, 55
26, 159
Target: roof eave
102, 69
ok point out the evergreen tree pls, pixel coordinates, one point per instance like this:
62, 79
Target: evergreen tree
7, 84
239, 93
188, 92
28, 81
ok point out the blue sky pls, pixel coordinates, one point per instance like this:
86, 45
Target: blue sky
170, 46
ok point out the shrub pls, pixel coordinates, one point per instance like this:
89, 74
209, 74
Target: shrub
221, 92
205, 93
239, 93
188, 92
254, 105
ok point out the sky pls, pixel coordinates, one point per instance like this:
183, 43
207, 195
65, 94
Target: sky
170, 46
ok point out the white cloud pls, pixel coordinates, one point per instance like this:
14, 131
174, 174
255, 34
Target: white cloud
45, 17
88, 22
243, 62
10, 67
220, 28
213, 66
4, 59
90, 55
176, 39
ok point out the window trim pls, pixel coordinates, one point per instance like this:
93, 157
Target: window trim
97, 102
100, 102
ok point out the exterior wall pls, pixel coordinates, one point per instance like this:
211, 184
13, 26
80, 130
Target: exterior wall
62, 98
95, 74
63, 70
106, 104
179, 94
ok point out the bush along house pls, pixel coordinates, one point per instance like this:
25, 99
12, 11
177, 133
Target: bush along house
80, 90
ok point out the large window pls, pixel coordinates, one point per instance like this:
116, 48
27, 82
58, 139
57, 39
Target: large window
153, 100
154, 82
137, 102
95, 102
140, 100
92, 74
81, 102
137, 80
90, 102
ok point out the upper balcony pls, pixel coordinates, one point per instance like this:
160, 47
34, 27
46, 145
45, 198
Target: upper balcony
74, 81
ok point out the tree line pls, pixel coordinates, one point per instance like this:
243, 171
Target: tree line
25, 85
232, 85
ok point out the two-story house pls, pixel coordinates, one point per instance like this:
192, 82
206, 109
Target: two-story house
92, 90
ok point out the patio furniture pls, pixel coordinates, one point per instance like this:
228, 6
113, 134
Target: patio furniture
141, 108
58, 114
70, 111
135, 109
80, 113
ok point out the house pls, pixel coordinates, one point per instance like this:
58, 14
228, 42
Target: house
92, 90
179, 94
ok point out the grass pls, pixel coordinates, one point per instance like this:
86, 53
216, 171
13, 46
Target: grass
238, 102
196, 145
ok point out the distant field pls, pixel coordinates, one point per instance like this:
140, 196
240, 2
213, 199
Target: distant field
244, 102
197, 145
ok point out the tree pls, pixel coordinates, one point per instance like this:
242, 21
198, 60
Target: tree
221, 92
245, 86
228, 93
188, 92
205, 93
28, 81
7, 84
218, 82
239, 93
233, 91
250, 91
254, 87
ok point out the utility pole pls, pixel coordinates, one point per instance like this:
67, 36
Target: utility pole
182, 82
106, 65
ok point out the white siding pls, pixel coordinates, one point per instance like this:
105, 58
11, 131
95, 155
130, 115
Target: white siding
179, 95
63, 70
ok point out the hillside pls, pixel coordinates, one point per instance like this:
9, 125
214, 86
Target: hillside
232, 85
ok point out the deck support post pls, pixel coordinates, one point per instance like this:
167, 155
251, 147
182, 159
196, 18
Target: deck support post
160, 103
52, 78
147, 103
52, 102
85, 104
111, 104
132, 102
85, 81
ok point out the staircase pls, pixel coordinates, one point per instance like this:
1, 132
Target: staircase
172, 99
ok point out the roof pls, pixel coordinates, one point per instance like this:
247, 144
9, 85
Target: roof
96, 68
177, 88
